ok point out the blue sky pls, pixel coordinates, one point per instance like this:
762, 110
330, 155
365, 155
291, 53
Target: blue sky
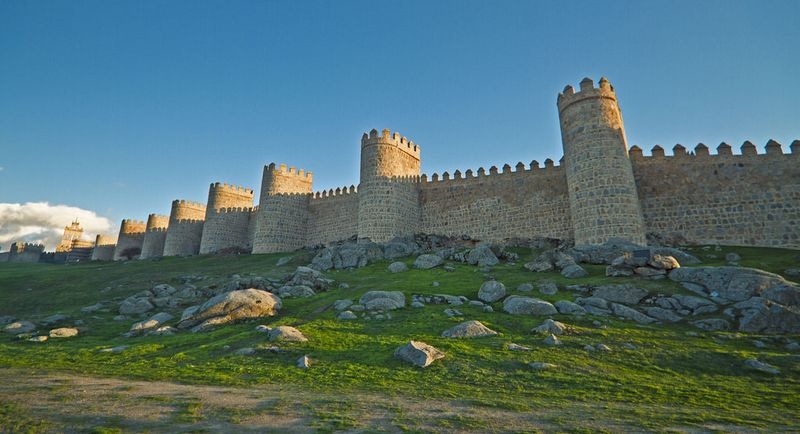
121, 107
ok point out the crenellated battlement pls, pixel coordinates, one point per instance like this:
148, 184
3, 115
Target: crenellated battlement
587, 91
507, 170
26, 247
156, 230
339, 191
386, 137
130, 226
105, 240
155, 221
747, 149
230, 188
234, 210
283, 170
188, 204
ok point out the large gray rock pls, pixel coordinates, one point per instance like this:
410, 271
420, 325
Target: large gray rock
627, 312
425, 262
607, 252
418, 353
53, 319
63, 332
697, 305
399, 247
664, 262
627, 294
759, 315
19, 327
549, 326
517, 305
152, 323
309, 277
573, 271
758, 365
135, 306
732, 283
347, 255
286, 333
569, 308
163, 290
482, 256
662, 314
295, 291
468, 329
491, 291
233, 306
383, 300
548, 288
397, 267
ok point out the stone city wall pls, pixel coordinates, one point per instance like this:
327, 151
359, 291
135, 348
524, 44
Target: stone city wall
185, 228
154, 236
332, 216
130, 239
283, 209
227, 218
743, 199
527, 202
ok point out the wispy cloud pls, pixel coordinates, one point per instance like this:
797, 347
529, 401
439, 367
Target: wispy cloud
41, 222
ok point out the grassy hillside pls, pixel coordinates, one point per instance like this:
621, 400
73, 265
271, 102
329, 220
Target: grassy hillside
677, 375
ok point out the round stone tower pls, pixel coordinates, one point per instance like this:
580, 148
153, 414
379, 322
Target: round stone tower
185, 229
602, 191
154, 236
283, 209
129, 241
388, 199
227, 218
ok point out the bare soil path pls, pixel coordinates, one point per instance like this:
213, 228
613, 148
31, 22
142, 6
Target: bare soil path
39, 401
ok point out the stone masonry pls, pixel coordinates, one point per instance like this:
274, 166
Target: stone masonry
600, 191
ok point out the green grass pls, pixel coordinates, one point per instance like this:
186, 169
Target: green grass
696, 380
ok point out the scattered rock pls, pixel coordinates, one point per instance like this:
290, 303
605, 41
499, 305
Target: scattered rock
64, 332
233, 306
296, 291
630, 313
794, 273
518, 305
551, 340
53, 319
417, 304
153, 322
731, 283
306, 277
525, 287
662, 314
247, 351
342, 304
304, 362
41, 338
542, 366
569, 308
286, 333
283, 261
759, 315
19, 327
629, 346
663, 262
452, 313
427, 261
135, 306
482, 256
491, 291
346, 315
758, 365
626, 294
539, 265
514, 347
488, 309
93, 308
383, 300
397, 267
603, 347
573, 271
163, 290
468, 329
712, 324
418, 353
759, 344
552, 327
164, 331
589, 348
548, 288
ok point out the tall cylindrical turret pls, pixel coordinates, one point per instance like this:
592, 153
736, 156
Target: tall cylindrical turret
104, 248
602, 191
227, 218
282, 217
388, 199
129, 241
185, 229
154, 236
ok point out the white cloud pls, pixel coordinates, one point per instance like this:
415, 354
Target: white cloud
40, 222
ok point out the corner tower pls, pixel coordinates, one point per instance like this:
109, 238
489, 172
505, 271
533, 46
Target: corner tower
388, 195
185, 228
602, 192
282, 210
227, 218
155, 235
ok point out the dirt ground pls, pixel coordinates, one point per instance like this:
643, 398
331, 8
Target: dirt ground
65, 402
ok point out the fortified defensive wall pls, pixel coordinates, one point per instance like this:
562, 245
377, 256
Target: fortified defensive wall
130, 239
155, 235
104, 246
600, 190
